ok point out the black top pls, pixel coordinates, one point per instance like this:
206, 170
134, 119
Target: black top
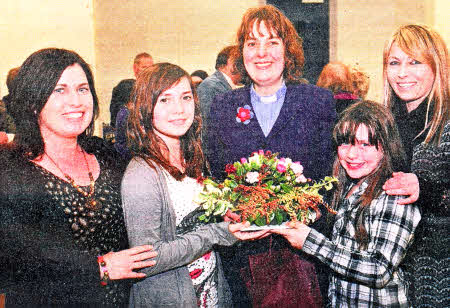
426, 262
120, 96
410, 125
50, 239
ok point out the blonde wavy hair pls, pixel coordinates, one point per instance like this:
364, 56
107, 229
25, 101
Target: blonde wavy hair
427, 46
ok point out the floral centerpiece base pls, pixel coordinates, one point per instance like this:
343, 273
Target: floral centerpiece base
265, 190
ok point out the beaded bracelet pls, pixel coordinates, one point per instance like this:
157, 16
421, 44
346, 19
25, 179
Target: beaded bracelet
103, 270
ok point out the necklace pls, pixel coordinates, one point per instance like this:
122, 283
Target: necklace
91, 203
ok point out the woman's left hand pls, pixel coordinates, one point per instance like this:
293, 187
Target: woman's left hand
406, 184
296, 234
235, 229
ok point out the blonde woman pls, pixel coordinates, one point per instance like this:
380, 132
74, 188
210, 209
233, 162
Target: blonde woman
417, 91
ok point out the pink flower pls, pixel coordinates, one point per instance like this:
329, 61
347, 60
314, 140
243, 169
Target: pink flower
261, 152
243, 160
252, 177
281, 168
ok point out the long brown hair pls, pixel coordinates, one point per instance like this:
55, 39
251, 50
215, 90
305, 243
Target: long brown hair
384, 135
278, 23
141, 136
427, 46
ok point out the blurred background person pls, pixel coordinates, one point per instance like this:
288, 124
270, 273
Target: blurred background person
120, 99
416, 88
121, 92
275, 111
224, 79
361, 82
198, 76
337, 78
6, 121
62, 232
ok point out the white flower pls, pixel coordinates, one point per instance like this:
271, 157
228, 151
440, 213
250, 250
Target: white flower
301, 179
297, 168
251, 177
255, 158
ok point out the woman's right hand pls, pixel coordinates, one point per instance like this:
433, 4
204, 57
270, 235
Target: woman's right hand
121, 264
406, 184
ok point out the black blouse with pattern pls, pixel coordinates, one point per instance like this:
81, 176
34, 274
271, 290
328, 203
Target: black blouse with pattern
50, 239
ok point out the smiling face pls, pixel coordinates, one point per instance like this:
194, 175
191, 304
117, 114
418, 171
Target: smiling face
68, 111
174, 111
263, 55
410, 79
362, 158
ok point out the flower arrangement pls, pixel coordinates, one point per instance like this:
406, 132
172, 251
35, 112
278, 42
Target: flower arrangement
265, 190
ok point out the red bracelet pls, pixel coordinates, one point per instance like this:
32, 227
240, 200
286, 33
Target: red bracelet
103, 270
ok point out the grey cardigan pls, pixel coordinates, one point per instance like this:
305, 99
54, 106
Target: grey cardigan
150, 219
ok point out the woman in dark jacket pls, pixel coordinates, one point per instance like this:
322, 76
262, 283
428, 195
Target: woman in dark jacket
275, 111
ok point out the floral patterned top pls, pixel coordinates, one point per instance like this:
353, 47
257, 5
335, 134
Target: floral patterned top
203, 271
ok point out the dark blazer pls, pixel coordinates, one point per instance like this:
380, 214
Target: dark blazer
302, 131
208, 89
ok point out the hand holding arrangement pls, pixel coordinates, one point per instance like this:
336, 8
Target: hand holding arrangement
296, 234
236, 228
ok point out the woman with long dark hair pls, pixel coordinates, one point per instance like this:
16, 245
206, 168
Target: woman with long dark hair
62, 235
159, 188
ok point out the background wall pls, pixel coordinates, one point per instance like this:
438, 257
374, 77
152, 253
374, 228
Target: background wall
187, 33
108, 34
27, 25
